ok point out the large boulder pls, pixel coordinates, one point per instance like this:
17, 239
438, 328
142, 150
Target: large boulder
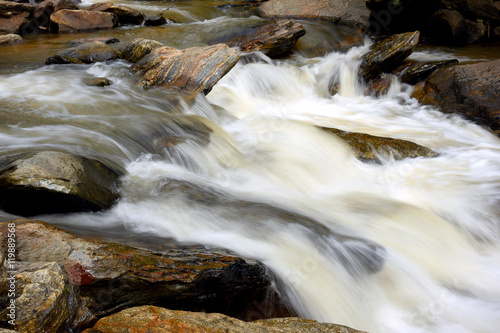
273, 39
85, 53
194, 70
351, 13
108, 277
53, 182
125, 14
15, 18
370, 148
386, 55
138, 48
161, 320
67, 20
470, 90
45, 299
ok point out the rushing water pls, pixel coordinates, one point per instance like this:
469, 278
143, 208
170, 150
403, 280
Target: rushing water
432, 221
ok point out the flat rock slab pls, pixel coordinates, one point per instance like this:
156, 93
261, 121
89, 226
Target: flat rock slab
155, 319
125, 14
350, 13
193, 70
67, 20
10, 39
470, 90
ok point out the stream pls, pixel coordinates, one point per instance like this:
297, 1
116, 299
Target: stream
435, 221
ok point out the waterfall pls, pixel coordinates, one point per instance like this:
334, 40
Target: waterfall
404, 246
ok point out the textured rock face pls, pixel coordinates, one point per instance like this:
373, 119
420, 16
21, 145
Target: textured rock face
139, 48
469, 90
67, 20
108, 276
194, 69
351, 13
450, 25
273, 39
46, 8
45, 297
386, 55
85, 53
156, 319
368, 148
15, 17
51, 182
416, 72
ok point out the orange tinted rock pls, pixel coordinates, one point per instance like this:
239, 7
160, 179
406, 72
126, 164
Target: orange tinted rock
67, 20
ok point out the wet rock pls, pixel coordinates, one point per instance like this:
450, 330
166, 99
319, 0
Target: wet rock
470, 90
109, 277
15, 18
378, 87
273, 39
138, 48
46, 8
67, 20
86, 53
105, 40
10, 39
162, 320
451, 27
45, 299
350, 13
154, 21
384, 56
415, 72
369, 148
194, 69
53, 182
126, 15
97, 82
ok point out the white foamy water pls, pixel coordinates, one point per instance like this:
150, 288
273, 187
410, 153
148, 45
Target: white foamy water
406, 246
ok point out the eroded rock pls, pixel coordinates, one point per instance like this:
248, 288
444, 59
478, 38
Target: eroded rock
54, 182
125, 14
195, 69
138, 48
384, 56
273, 39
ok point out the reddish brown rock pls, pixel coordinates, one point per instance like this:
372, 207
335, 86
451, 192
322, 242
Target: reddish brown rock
15, 18
351, 13
80, 20
193, 70
273, 39
470, 90
46, 8
109, 276
126, 15
155, 319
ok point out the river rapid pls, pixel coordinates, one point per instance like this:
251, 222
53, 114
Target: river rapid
435, 221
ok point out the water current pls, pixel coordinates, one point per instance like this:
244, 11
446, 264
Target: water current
403, 246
